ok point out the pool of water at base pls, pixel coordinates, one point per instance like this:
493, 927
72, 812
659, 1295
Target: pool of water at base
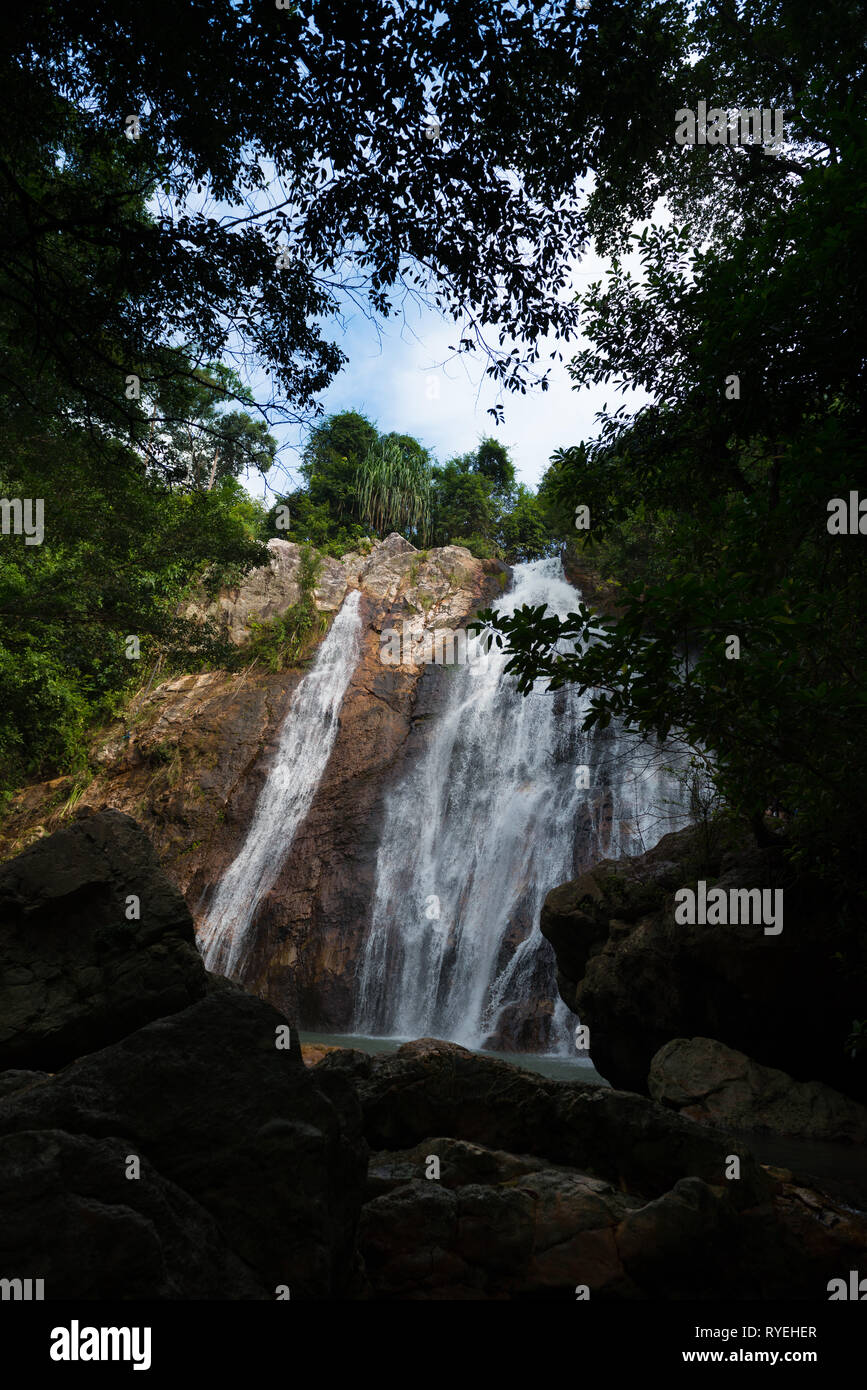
555, 1067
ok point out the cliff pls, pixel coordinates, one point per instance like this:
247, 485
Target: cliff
189, 761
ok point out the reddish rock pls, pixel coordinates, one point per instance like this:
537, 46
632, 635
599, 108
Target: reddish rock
191, 761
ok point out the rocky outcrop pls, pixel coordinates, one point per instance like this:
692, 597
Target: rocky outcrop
190, 761
197, 1156
547, 1190
238, 1146
434, 1087
94, 942
716, 1085
267, 592
638, 979
192, 1157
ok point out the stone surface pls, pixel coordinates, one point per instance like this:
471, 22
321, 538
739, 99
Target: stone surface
637, 979
247, 1160
75, 973
533, 1225
192, 758
14, 1080
69, 1215
431, 1087
714, 1084
528, 1236
266, 593
314, 1052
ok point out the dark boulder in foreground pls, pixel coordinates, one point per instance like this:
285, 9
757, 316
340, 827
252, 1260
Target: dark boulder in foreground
237, 1140
433, 1087
637, 978
193, 1155
78, 968
186, 1154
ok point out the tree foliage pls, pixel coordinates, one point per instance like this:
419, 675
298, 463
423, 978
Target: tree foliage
710, 505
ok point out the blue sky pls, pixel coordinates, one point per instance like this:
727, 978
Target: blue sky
402, 375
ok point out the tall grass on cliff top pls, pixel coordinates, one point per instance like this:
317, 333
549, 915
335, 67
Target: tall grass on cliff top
394, 489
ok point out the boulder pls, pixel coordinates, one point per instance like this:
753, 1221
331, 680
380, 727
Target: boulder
637, 978
532, 1235
459, 1163
245, 1159
717, 1085
70, 1216
495, 1226
434, 1087
76, 972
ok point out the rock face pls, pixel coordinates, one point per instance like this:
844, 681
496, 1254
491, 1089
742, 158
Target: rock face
266, 593
191, 761
193, 1157
75, 971
546, 1190
637, 979
239, 1148
715, 1084
198, 1157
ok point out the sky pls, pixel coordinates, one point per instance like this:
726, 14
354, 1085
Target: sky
402, 376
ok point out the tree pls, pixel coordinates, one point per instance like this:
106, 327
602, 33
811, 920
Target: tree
524, 530
492, 461
332, 459
739, 624
464, 509
394, 487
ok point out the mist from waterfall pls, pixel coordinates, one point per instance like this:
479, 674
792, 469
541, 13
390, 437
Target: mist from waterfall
480, 829
305, 742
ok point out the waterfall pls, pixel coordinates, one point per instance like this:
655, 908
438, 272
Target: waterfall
481, 827
305, 742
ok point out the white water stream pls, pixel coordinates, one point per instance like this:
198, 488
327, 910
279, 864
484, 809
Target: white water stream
481, 828
306, 739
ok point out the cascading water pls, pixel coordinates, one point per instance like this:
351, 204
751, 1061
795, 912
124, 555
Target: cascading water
306, 739
477, 833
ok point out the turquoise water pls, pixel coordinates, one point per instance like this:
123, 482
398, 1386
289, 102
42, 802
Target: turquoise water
555, 1067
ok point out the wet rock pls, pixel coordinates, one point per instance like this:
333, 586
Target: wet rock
717, 1085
